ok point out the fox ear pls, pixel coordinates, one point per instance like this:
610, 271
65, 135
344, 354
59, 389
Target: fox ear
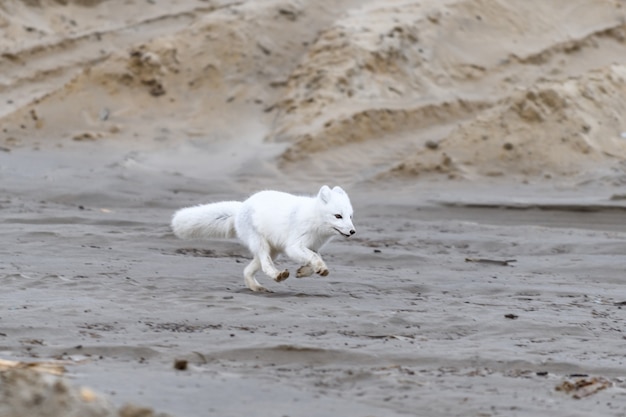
339, 190
324, 194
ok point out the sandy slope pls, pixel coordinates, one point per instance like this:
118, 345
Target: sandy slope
462, 129
354, 88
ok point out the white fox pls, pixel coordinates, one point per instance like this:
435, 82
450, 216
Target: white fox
270, 223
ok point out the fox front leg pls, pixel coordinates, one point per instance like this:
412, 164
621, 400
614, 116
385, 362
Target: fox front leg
304, 271
311, 261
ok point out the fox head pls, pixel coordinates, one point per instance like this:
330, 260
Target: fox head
337, 210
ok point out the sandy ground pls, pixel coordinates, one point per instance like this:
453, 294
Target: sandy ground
466, 132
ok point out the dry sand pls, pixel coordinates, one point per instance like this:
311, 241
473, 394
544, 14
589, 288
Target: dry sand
464, 130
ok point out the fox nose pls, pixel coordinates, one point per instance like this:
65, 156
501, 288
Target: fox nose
352, 231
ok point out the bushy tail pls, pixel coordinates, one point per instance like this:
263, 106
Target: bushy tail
215, 220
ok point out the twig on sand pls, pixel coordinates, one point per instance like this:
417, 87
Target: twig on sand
506, 262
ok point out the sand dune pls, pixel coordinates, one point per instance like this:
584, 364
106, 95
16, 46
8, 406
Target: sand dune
391, 76
483, 144
571, 129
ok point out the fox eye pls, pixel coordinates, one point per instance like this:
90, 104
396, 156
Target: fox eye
338, 216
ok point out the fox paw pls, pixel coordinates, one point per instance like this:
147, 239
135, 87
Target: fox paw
256, 287
282, 276
260, 288
304, 271
323, 272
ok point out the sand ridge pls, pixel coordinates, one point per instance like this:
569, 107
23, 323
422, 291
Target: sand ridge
393, 76
482, 144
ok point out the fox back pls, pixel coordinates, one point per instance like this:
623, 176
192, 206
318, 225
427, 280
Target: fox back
284, 219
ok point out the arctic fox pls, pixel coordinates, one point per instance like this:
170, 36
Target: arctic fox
270, 223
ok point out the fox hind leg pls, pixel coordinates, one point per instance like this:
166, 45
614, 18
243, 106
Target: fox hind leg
248, 276
282, 275
263, 259
266, 257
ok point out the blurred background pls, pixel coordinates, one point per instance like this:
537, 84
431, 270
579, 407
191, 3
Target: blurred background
291, 92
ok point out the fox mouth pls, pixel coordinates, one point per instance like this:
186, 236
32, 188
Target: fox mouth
341, 233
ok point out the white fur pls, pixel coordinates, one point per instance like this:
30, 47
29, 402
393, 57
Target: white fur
206, 221
270, 223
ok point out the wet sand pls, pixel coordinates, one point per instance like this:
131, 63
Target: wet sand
403, 323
